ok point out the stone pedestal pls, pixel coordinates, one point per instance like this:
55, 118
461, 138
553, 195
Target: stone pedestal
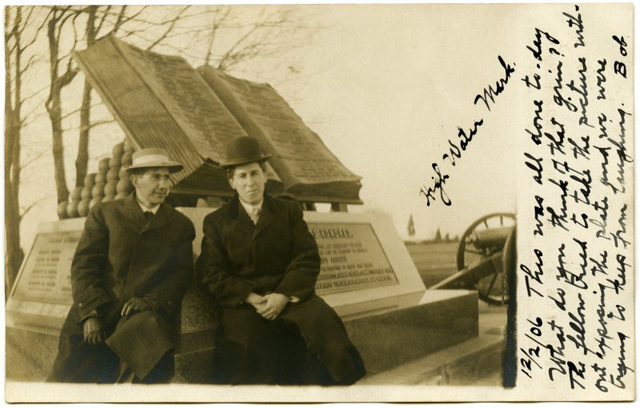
397, 330
29, 354
367, 276
401, 330
196, 346
425, 324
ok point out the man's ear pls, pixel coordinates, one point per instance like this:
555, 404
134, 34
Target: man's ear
134, 179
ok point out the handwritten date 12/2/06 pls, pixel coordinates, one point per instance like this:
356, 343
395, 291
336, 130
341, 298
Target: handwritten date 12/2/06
531, 355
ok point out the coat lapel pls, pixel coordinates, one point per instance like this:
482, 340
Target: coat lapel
240, 218
134, 212
266, 217
139, 220
157, 221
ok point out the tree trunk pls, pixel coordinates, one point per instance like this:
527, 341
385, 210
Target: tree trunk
12, 166
82, 160
55, 113
14, 254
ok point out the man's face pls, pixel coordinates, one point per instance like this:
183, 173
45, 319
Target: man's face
152, 187
249, 180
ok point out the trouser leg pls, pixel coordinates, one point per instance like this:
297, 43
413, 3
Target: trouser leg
79, 362
252, 347
304, 367
326, 335
308, 344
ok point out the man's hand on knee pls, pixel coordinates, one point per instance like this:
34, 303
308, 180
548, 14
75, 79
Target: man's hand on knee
274, 305
93, 331
255, 300
134, 305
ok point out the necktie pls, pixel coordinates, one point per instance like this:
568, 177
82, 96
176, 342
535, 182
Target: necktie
148, 215
255, 215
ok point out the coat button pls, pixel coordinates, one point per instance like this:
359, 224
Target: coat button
80, 304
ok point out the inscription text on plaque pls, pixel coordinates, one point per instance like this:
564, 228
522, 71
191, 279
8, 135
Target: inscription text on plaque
352, 258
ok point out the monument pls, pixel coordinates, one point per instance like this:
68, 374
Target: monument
161, 101
366, 273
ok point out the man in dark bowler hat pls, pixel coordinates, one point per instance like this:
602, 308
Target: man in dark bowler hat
260, 263
132, 266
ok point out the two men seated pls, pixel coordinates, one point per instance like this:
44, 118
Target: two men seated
258, 261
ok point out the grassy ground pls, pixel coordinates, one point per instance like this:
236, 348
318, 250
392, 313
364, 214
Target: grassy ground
434, 261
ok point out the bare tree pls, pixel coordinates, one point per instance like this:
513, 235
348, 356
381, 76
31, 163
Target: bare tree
82, 160
249, 40
15, 47
222, 36
256, 38
97, 19
59, 17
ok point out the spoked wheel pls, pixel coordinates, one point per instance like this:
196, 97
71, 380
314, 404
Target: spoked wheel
487, 241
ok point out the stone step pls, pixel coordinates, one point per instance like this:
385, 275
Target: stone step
474, 362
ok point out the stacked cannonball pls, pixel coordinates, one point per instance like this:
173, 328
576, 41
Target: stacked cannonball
109, 183
123, 185
86, 194
72, 205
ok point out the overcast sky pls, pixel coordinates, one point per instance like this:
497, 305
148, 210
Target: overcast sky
395, 84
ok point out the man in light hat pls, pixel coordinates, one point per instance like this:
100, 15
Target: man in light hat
131, 268
260, 263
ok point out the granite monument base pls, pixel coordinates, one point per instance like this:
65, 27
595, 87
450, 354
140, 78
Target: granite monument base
397, 330
29, 354
366, 275
433, 321
393, 332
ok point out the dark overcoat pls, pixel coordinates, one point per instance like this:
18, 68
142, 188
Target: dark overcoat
279, 255
122, 255
276, 255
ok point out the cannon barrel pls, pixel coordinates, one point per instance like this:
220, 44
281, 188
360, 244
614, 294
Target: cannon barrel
486, 258
493, 237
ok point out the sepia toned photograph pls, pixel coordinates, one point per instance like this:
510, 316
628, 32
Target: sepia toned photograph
319, 203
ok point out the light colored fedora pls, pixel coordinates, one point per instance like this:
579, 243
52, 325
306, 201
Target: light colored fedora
243, 150
153, 158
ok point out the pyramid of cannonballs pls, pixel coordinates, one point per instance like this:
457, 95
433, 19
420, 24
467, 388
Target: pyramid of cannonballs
110, 183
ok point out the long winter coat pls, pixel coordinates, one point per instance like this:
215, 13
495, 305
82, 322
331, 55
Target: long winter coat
279, 255
122, 255
276, 255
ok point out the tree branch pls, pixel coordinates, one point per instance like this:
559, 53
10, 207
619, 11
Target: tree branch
169, 29
75, 111
36, 158
102, 122
25, 210
217, 23
104, 17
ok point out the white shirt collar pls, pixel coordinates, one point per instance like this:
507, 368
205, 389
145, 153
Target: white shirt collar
144, 208
249, 208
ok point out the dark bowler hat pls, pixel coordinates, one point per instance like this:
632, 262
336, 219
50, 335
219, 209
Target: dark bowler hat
153, 158
243, 150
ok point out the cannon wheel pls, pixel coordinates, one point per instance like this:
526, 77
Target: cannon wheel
493, 289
